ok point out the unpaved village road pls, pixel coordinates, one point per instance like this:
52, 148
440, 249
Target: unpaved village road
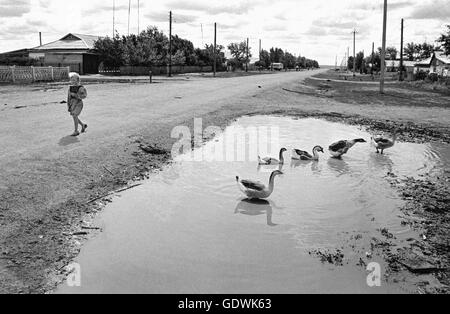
47, 177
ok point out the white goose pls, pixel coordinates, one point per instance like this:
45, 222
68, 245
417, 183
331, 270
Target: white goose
257, 190
338, 149
382, 143
302, 155
272, 161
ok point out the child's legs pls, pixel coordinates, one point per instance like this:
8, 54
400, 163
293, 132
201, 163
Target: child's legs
75, 122
79, 121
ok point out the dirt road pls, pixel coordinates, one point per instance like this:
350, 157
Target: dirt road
47, 177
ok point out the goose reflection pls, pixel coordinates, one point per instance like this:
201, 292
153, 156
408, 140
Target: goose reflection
378, 161
339, 166
270, 168
256, 208
303, 163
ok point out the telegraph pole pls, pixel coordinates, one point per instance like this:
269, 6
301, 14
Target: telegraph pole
139, 12
260, 50
373, 58
114, 19
170, 44
129, 12
383, 48
348, 57
354, 52
215, 49
246, 63
401, 54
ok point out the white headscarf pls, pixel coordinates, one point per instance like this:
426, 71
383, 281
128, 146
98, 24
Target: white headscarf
74, 76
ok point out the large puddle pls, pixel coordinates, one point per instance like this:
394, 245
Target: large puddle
188, 229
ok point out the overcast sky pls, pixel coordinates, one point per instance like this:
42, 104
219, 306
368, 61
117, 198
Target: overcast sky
319, 29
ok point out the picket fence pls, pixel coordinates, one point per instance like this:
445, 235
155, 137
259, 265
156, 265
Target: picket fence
29, 74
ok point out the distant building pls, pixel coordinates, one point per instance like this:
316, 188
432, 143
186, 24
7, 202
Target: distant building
438, 63
73, 50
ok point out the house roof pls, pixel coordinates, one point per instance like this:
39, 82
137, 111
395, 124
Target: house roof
443, 58
71, 41
425, 62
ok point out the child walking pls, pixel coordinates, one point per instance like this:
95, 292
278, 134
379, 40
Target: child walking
75, 102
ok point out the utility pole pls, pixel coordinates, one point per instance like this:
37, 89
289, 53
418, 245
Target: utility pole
246, 63
129, 12
383, 48
348, 58
260, 50
215, 49
373, 58
40, 39
139, 16
335, 63
354, 52
114, 19
170, 44
401, 54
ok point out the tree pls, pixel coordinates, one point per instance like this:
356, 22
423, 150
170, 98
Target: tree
410, 51
445, 41
289, 60
359, 61
426, 50
264, 58
239, 53
392, 53
276, 55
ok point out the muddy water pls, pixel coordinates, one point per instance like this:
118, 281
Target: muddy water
189, 229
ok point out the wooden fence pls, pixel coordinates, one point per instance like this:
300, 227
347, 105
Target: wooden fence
156, 70
24, 74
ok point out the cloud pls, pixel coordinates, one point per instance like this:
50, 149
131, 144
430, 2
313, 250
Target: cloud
376, 7
100, 8
14, 8
164, 17
275, 27
437, 10
241, 7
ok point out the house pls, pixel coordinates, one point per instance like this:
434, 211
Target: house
423, 65
18, 57
73, 50
440, 64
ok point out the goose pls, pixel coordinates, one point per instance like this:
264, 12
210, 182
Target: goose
257, 190
382, 143
338, 149
272, 161
302, 155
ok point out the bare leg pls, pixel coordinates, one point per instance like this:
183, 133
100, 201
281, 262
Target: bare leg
83, 126
75, 122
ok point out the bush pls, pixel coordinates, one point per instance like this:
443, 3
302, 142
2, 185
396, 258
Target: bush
421, 75
433, 77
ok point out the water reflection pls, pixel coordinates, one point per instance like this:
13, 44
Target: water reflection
315, 169
256, 208
270, 168
378, 161
338, 166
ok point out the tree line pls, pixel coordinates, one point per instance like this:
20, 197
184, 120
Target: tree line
151, 48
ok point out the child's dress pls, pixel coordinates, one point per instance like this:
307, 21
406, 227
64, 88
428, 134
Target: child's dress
75, 103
